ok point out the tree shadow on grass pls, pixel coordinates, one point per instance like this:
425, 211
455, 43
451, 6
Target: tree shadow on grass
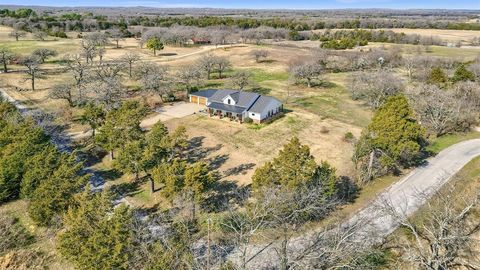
347, 190
217, 161
148, 210
196, 151
126, 189
261, 90
268, 61
167, 54
240, 169
213, 85
226, 193
109, 174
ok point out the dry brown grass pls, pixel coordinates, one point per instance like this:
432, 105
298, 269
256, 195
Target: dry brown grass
239, 144
444, 34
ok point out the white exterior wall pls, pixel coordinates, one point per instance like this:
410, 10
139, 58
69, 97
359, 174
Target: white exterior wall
254, 116
273, 106
227, 98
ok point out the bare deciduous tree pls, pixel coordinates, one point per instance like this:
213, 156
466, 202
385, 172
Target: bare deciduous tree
446, 110
33, 71
191, 76
410, 64
89, 51
154, 79
17, 34
109, 69
63, 91
44, 53
109, 91
207, 63
242, 225
96, 39
130, 58
443, 237
79, 69
289, 209
40, 35
116, 35
435, 107
258, 54
310, 72
241, 79
374, 87
222, 64
5, 57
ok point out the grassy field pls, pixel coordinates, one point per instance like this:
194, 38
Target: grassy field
450, 139
333, 101
44, 238
320, 116
443, 34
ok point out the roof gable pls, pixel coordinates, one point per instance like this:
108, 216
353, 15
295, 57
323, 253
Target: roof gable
261, 104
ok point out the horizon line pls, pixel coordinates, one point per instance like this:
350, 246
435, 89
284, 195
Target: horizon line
233, 8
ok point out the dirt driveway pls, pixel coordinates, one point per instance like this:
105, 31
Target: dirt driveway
171, 111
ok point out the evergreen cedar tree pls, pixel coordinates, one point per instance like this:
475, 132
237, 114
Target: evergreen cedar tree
94, 116
295, 167
32, 167
395, 132
121, 126
20, 140
179, 179
463, 74
139, 152
96, 235
154, 43
55, 194
437, 77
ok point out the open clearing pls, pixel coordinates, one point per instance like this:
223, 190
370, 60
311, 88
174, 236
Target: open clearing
444, 34
319, 116
464, 36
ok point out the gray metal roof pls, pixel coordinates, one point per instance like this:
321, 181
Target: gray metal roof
246, 99
219, 95
243, 100
261, 103
205, 93
226, 107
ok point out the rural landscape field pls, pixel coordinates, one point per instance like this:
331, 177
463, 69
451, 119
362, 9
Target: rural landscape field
124, 143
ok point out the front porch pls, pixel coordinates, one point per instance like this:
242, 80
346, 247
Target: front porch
232, 116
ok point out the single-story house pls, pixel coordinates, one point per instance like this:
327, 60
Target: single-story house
238, 105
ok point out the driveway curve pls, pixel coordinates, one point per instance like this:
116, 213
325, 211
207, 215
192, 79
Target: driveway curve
402, 196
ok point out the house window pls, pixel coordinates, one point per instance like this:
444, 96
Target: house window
253, 114
228, 101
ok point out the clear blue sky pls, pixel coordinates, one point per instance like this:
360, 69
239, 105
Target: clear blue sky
266, 4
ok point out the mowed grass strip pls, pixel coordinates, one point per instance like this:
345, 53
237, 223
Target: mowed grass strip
445, 141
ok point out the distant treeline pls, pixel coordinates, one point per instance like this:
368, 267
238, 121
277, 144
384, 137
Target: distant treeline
347, 39
88, 21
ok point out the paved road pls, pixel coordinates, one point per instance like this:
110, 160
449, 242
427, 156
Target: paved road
403, 195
